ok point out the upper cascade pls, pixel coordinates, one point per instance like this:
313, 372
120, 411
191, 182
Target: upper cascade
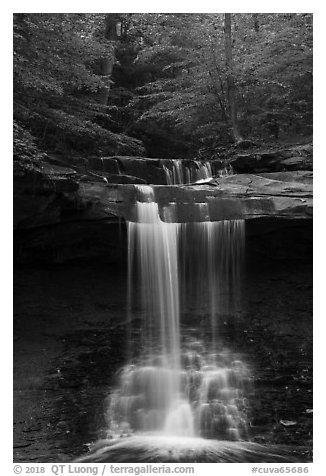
178, 173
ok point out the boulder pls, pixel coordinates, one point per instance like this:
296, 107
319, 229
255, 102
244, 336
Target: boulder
41, 193
293, 158
55, 222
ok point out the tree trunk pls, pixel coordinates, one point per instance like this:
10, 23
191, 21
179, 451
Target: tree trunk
105, 65
256, 22
230, 80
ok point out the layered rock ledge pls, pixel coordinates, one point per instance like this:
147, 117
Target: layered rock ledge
277, 195
53, 194
64, 213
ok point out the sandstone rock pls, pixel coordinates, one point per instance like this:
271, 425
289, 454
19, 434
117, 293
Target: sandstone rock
119, 178
95, 163
302, 176
104, 164
216, 166
60, 214
293, 158
149, 170
41, 193
110, 165
245, 144
296, 163
226, 198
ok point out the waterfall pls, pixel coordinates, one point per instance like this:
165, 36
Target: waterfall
212, 263
174, 384
226, 171
194, 171
203, 171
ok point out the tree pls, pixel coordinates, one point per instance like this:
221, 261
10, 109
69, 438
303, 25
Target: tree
58, 89
230, 80
184, 84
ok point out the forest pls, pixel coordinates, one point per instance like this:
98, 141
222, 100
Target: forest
163, 225
159, 85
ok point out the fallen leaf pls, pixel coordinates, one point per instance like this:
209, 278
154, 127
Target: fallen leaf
288, 422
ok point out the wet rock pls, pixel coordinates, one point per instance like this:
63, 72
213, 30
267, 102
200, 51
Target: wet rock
149, 170
61, 213
54, 220
62, 425
95, 163
114, 178
301, 176
294, 158
144, 170
226, 198
39, 191
245, 144
104, 164
21, 445
216, 166
288, 422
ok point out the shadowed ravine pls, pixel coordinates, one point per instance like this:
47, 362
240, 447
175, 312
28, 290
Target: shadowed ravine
162, 237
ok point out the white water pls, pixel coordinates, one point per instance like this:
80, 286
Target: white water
153, 447
213, 255
203, 397
226, 171
194, 171
190, 389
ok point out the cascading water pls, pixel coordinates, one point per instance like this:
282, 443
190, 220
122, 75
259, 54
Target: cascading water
150, 393
174, 386
194, 171
182, 396
211, 277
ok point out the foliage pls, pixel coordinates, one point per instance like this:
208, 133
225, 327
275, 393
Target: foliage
179, 60
169, 83
57, 83
24, 147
